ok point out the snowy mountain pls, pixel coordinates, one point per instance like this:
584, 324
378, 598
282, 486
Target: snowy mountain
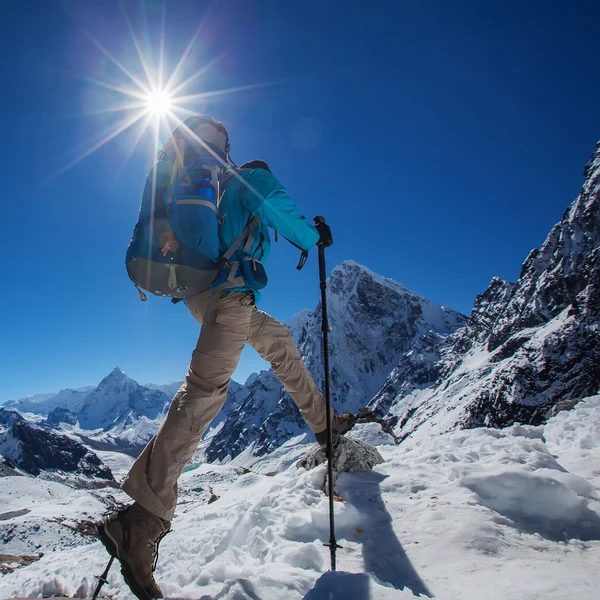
428, 369
59, 415
167, 388
516, 505
118, 412
118, 399
42, 404
526, 345
517, 509
35, 450
374, 322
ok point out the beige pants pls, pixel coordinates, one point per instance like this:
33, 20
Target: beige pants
232, 321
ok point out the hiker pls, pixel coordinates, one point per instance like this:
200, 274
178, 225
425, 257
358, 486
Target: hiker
229, 318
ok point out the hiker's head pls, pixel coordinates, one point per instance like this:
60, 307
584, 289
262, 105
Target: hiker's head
211, 132
256, 164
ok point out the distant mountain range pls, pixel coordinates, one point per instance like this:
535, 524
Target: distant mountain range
374, 321
421, 366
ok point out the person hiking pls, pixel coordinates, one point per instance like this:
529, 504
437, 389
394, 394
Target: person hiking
229, 318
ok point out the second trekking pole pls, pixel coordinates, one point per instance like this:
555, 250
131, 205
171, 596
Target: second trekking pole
333, 546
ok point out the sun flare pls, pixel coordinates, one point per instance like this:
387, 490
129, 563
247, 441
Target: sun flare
148, 96
158, 103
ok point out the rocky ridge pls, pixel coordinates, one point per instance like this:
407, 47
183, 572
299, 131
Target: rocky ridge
525, 347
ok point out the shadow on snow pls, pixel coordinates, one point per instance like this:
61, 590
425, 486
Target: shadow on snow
384, 558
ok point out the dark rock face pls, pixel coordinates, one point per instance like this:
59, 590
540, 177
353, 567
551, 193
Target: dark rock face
526, 346
558, 274
7, 467
61, 415
436, 357
417, 369
34, 449
487, 309
564, 366
560, 281
246, 424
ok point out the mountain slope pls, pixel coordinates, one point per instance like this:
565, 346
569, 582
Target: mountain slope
374, 321
526, 345
34, 449
117, 398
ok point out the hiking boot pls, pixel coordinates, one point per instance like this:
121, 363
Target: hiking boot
132, 536
340, 424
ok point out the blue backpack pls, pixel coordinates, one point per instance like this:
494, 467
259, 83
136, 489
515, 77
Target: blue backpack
174, 250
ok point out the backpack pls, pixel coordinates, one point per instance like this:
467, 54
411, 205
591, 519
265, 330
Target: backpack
174, 250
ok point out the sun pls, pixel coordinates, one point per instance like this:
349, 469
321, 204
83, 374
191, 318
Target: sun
158, 103
151, 97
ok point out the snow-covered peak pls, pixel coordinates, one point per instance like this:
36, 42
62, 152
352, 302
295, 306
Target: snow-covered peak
349, 272
592, 173
252, 378
42, 404
373, 321
298, 320
115, 376
9, 417
168, 388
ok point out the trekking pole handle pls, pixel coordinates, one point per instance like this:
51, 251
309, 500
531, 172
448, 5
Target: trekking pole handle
325, 237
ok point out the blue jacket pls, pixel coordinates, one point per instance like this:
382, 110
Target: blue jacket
268, 201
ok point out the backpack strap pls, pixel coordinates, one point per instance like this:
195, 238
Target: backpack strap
247, 236
177, 167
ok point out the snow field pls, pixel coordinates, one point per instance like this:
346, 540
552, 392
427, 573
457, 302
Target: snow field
466, 515
575, 436
472, 531
118, 463
39, 516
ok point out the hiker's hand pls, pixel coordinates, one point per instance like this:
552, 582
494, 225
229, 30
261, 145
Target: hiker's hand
325, 237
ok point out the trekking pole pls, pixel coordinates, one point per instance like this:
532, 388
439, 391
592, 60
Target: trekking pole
333, 546
103, 578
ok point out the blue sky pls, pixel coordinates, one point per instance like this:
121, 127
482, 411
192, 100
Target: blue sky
441, 140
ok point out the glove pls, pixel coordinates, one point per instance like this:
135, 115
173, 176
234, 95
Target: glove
325, 237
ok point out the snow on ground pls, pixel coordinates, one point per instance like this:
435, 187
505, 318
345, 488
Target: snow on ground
118, 463
371, 433
575, 436
37, 515
484, 513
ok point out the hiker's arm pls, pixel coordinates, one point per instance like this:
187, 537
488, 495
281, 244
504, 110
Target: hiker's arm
276, 210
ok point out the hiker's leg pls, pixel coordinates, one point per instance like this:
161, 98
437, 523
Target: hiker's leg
272, 340
152, 480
